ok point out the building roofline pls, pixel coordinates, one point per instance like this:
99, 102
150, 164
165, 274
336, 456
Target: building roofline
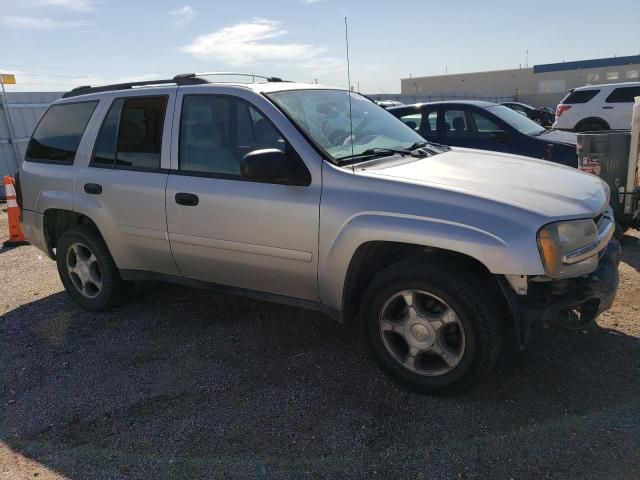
549, 67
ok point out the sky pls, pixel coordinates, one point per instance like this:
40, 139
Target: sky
59, 44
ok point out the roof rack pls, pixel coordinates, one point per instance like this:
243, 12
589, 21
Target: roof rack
181, 79
232, 74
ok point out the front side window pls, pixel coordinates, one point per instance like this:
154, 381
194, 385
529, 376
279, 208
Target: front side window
623, 95
58, 135
516, 120
344, 124
484, 125
131, 134
217, 131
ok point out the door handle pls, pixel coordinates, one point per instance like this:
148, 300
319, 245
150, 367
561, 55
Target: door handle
188, 199
607, 108
93, 188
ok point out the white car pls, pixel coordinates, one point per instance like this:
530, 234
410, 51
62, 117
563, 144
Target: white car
597, 107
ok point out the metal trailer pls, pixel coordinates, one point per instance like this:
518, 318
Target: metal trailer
613, 155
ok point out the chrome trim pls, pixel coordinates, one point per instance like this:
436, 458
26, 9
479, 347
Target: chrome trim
582, 253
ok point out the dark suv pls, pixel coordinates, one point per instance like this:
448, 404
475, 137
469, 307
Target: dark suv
488, 126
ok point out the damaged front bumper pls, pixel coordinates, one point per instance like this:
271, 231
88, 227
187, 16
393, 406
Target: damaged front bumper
571, 303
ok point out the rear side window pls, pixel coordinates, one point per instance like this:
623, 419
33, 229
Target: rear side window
58, 134
580, 96
131, 134
623, 95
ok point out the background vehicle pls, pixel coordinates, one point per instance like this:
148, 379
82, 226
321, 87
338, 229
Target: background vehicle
488, 126
261, 190
543, 116
597, 107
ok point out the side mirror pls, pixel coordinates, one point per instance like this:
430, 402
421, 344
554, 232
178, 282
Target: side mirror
500, 136
268, 165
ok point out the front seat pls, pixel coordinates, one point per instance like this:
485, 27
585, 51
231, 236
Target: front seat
203, 151
459, 126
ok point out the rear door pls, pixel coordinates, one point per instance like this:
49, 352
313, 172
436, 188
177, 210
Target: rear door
255, 236
122, 185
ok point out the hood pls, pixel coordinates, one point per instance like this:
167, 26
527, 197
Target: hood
559, 136
543, 187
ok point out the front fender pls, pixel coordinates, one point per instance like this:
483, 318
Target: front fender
516, 255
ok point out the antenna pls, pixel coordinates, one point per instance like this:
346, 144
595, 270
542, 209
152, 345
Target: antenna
346, 39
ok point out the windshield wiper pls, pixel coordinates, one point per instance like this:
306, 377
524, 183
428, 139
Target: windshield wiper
376, 152
428, 146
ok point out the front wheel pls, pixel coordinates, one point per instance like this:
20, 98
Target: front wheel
430, 326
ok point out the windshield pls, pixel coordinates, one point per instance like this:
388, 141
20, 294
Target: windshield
324, 116
516, 120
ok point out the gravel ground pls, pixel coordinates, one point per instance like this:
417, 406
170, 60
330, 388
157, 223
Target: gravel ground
183, 383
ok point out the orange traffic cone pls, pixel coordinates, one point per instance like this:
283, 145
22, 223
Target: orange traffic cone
16, 237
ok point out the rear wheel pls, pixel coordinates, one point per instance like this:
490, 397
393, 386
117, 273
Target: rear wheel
87, 270
430, 327
591, 125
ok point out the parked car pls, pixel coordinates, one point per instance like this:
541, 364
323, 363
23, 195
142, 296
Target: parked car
488, 126
544, 116
597, 107
259, 190
389, 103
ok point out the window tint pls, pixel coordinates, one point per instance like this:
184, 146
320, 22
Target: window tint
413, 120
140, 132
58, 134
105, 148
623, 95
580, 96
131, 134
217, 131
484, 125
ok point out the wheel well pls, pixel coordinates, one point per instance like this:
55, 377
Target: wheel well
594, 120
373, 257
57, 221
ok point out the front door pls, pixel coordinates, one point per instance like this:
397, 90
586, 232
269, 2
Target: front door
225, 229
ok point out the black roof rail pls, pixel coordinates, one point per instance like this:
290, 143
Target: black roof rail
177, 80
181, 79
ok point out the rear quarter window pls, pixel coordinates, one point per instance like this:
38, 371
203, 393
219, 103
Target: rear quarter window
58, 134
580, 96
623, 95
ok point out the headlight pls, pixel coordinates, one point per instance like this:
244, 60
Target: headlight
556, 240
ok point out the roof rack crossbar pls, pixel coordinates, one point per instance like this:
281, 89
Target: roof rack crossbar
234, 74
177, 80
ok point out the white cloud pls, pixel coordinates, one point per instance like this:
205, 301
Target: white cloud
183, 15
250, 42
78, 5
41, 23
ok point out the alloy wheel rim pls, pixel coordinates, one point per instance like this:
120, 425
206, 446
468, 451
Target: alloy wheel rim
422, 332
84, 270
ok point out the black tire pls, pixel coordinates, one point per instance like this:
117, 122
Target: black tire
112, 286
464, 293
591, 125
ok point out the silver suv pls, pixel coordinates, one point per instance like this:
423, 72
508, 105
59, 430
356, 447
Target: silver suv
319, 198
